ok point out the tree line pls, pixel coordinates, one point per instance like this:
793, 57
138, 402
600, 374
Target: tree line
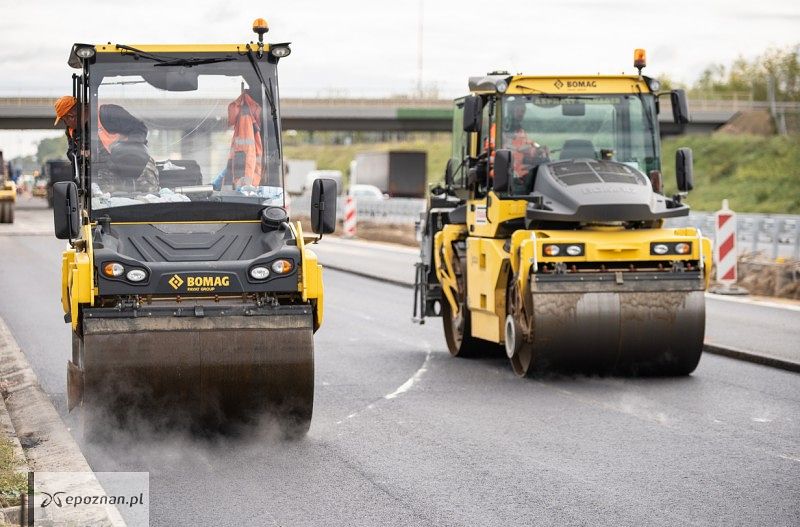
775, 69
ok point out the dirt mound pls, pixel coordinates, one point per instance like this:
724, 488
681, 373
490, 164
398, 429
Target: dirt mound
763, 276
751, 122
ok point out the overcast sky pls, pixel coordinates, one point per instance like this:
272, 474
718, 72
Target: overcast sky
368, 48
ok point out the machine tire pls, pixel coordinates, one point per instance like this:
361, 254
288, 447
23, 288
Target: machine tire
518, 349
5, 212
458, 331
458, 334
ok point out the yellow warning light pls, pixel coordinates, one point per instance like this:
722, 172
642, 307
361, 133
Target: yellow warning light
639, 58
260, 26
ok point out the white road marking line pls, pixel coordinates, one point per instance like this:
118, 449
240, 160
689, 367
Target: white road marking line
403, 388
753, 302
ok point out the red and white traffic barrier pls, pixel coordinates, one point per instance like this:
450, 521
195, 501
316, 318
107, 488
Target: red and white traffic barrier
726, 253
350, 217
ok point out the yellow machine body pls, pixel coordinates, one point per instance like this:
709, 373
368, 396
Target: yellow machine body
185, 292
549, 273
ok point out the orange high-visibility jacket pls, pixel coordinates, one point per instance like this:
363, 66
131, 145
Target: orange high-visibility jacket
245, 159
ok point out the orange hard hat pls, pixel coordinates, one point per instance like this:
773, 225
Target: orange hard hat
63, 105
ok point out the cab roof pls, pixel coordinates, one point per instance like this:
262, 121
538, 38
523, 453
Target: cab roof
558, 84
110, 47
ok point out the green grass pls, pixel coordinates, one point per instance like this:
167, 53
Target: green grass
756, 174
338, 157
12, 483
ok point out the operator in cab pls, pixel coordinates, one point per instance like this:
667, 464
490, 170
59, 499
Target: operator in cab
524, 151
123, 161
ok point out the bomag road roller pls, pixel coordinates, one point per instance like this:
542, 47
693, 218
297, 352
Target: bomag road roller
186, 285
547, 238
8, 193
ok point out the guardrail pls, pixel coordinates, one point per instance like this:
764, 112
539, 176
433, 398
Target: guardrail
396, 211
772, 234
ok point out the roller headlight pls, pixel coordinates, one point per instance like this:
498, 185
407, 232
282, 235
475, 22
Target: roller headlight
574, 250
660, 248
113, 269
85, 52
280, 51
501, 86
683, 248
136, 275
551, 250
259, 273
282, 266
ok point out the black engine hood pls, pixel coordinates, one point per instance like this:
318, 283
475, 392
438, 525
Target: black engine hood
588, 190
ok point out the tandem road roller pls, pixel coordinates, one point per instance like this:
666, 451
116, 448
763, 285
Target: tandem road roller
548, 237
8, 193
186, 285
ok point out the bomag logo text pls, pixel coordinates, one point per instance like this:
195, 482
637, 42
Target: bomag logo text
208, 281
199, 283
581, 84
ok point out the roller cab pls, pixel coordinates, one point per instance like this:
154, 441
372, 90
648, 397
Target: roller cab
187, 286
547, 240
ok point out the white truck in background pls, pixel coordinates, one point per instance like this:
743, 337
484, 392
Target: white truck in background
397, 173
295, 175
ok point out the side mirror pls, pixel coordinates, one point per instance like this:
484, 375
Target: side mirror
680, 106
448, 173
323, 206
684, 170
473, 110
502, 170
66, 212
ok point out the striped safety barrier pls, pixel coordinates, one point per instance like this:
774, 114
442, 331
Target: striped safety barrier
350, 217
725, 252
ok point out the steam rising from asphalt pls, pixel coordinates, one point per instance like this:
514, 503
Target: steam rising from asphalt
157, 437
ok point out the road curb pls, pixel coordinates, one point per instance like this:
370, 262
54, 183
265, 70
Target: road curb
749, 356
399, 283
46, 442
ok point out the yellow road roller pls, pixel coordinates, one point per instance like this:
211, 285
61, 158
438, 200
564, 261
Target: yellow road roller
186, 285
548, 239
8, 193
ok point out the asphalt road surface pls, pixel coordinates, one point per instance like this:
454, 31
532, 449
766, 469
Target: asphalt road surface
403, 434
730, 321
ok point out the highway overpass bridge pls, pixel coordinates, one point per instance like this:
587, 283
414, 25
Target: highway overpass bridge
383, 115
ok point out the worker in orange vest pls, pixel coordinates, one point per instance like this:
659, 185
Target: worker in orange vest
66, 109
245, 161
524, 150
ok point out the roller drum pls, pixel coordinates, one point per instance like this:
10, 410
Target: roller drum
213, 369
639, 330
